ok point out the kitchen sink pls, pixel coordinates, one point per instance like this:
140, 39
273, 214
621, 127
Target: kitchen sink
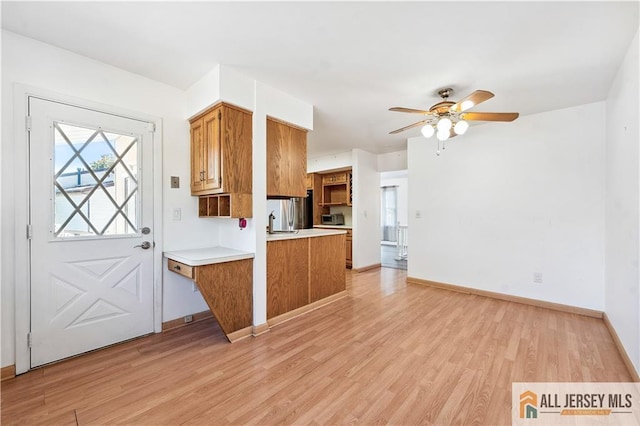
283, 232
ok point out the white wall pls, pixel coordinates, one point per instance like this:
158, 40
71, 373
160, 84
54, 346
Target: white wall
203, 93
403, 196
342, 160
622, 254
46, 67
392, 161
509, 199
366, 209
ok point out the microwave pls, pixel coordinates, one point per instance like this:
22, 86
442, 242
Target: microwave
333, 219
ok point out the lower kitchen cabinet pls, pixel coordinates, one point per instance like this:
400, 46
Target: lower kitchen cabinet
349, 250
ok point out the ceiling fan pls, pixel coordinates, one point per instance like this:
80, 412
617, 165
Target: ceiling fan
449, 118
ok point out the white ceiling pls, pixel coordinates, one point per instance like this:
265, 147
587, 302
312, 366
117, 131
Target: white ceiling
354, 60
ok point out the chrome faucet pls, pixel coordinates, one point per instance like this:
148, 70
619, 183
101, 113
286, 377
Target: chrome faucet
271, 217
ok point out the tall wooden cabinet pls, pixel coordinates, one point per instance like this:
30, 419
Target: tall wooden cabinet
286, 160
221, 153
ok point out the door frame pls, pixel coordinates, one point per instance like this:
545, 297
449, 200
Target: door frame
22, 264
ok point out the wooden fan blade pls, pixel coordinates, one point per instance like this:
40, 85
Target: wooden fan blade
410, 126
489, 116
473, 99
413, 111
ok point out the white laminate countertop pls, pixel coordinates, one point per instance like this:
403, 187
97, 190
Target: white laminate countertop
207, 255
333, 226
304, 233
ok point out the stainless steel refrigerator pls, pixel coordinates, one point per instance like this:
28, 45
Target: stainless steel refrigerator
292, 213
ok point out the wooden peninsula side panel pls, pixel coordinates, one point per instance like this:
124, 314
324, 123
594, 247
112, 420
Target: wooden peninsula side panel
326, 266
287, 275
304, 273
228, 290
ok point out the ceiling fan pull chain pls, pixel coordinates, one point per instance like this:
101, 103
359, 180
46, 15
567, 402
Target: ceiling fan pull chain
438, 150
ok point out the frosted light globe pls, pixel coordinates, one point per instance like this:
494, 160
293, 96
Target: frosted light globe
444, 124
461, 127
466, 105
427, 131
443, 135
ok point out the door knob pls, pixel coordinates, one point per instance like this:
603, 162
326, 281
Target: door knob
145, 245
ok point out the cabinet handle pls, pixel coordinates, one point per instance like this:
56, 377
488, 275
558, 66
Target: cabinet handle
177, 267
202, 175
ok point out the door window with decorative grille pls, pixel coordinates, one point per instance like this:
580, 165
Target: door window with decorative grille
95, 182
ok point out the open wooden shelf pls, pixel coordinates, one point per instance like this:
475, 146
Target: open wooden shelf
225, 205
337, 189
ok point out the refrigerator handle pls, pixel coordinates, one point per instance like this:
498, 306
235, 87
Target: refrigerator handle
291, 214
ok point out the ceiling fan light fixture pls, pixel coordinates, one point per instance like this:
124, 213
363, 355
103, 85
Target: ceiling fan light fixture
448, 119
427, 131
444, 125
461, 127
442, 135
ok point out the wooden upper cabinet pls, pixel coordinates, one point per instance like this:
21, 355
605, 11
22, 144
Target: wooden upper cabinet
221, 151
337, 189
286, 160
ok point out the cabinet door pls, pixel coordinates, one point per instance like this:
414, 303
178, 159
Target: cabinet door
211, 149
236, 136
298, 163
197, 160
286, 160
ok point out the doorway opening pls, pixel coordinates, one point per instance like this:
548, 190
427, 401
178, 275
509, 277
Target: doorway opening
394, 228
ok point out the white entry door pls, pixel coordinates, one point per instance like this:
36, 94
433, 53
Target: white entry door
91, 207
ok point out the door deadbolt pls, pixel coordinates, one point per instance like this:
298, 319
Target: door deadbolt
145, 245
145, 230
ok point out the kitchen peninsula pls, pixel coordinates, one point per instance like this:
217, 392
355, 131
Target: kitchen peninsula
305, 270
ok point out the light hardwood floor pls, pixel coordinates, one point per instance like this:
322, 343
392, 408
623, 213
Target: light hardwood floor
389, 353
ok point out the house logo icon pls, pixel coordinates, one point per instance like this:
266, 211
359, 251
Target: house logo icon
528, 405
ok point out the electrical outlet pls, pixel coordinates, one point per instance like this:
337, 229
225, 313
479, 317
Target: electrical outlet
537, 277
188, 318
